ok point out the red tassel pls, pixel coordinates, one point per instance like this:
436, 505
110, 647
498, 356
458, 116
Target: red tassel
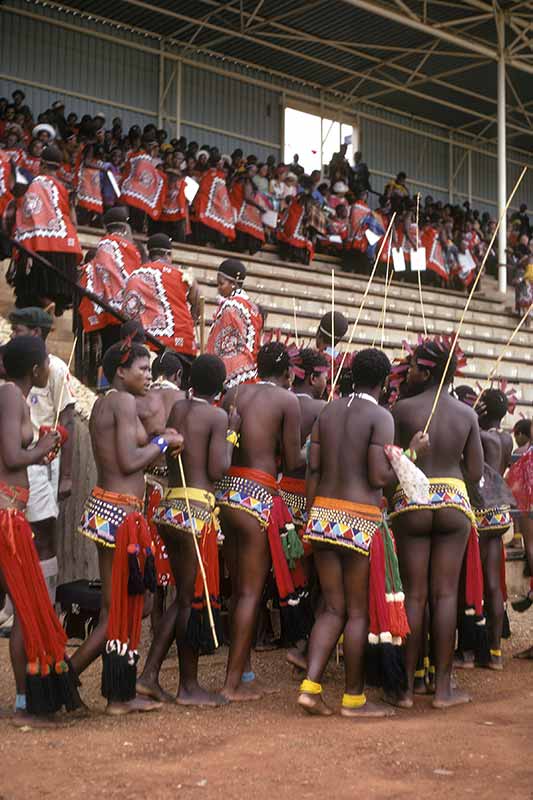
474, 574
503, 578
377, 604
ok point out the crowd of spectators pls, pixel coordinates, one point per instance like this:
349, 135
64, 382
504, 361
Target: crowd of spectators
242, 202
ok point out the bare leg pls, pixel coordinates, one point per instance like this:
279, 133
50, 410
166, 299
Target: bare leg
355, 578
183, 561
93, 647
412, 531
491, 555
448, 547
253, 563
329, 625
165, 633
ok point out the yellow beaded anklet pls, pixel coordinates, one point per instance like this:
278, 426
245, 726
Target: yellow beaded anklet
496, 653
310, 687
353, 700
420, 673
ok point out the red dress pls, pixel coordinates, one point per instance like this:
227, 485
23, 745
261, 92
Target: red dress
89, 190
292, 230
30, 163
106, 275
175, 206
235, 337
212, 206
356, 230
143, 185
435, 257
248, 218
5, 173
156, 294
43, 218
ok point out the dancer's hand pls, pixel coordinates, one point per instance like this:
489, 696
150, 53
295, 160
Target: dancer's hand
419, 443
234, 419
175, 441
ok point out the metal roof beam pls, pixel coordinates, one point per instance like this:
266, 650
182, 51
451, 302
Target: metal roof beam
388, 12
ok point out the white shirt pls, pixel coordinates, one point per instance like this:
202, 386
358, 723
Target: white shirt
44, 403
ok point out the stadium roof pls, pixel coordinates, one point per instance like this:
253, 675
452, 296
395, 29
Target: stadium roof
435, 59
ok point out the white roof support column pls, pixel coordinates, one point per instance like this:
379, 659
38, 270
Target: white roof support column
502, 156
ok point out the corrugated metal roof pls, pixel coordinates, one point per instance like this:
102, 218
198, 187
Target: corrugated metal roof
340, 48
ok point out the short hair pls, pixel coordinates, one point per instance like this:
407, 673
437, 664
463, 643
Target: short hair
466, 394
122, 354
167, 363
208, 374
309, 362
523, 426
370, 367
432, 355
133, 327
495, 402
21, 354
272, 359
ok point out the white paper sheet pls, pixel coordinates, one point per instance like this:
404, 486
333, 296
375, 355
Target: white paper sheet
270, 219
398, 259
191, 189
418, 260
372, 237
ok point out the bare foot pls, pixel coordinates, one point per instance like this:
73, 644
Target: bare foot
454, 698
527, 654
400, 701
22, 719
259, 686
244, 693
314, 704
200, 697
368, 710
463, 662
141, 704
153, 690
297, 659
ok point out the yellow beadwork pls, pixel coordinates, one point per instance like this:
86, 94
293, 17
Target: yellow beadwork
353, 700
310, 687
233, 438
496, 653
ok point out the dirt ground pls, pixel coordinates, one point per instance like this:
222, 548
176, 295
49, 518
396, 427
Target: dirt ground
270, 749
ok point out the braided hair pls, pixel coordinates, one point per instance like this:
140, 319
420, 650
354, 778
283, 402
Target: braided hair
272, 360
495, 402
432, 355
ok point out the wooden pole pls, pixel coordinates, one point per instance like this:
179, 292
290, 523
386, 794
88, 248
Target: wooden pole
492, 373
361, 306
202, 324
387, 287
295, 323
418, 271
198, 555
502, 218
69, 364
332, 326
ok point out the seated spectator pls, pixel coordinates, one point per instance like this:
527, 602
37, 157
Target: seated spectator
338, 197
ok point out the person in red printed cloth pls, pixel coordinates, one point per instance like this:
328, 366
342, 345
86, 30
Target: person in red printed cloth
353, 549
235, 334
45, 224
153, 410
431, 239
210, 436
213, 216
359, 211
435, 536
174, 219
112, 518
326, 343
143, 185
88, 166
163, 298
44, 682
299, 224
249, 210
106, 274
256, 523
7, 207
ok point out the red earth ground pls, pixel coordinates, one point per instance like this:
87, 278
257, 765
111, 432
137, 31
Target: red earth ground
270, 749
